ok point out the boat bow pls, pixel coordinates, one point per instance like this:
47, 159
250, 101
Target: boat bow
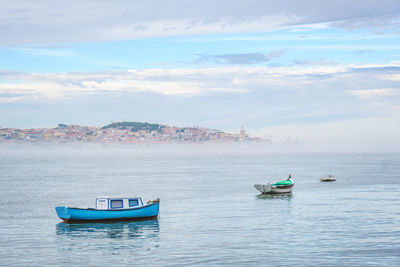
63, 213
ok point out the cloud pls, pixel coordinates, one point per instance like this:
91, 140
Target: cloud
51, 90
320, 61
19, 85
308, 84
242, 59
377, 23
71, 21
50, 52
372, 93
374, 69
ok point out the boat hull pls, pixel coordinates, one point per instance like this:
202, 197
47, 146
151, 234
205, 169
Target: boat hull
268, 189
327, 179
281, 190
69, 215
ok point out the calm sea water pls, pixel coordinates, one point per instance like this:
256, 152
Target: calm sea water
210, 213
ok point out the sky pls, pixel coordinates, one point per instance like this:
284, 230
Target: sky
315, 70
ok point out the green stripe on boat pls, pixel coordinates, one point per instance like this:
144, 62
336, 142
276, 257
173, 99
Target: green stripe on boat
284, 182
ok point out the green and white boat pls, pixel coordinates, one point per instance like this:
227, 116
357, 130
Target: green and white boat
281, 187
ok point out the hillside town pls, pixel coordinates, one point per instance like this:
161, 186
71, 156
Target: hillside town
123, 132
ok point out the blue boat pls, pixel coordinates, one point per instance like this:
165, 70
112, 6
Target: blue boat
112, 209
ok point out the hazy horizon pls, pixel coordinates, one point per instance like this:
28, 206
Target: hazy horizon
206, 148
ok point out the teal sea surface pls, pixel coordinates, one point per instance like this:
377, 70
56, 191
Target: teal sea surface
210, 212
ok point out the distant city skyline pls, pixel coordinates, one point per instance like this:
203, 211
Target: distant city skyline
124, 132
322, 71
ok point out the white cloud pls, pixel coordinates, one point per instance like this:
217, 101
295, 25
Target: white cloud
369, 93
47, 21
395, 77
65, 85
44, 52
315, 80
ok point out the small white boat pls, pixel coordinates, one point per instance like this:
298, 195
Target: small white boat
330, 178
285, 186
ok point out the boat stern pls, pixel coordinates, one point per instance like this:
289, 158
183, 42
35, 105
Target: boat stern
263, 188
63, 213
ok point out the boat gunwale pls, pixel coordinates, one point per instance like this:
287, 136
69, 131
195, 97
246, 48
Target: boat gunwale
282, 186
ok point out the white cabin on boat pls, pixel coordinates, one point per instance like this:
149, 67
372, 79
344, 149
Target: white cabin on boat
118, 203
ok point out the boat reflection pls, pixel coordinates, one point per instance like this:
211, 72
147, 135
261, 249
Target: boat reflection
122, 230
287, 196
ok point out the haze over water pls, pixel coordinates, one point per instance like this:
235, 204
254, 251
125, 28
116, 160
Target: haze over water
210, 213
